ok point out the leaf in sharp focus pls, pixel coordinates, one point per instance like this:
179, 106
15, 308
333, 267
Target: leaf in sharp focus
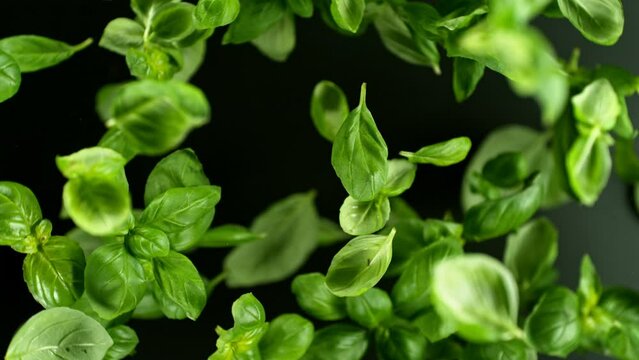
125, 340
60, 333
314, 297
360, 264
466, 75
55, 274
214, 13
180, 281
360, 154
255, 18
329, 108
597, 105
33, 53
364, 217
338, 342
288, 337
348, 14
444, 153
122, 34
600, 21
10, 76
479, 295
278, 41
19, 212
147, 242
290, 227
181, 168
114, 281
588, 166
401, 174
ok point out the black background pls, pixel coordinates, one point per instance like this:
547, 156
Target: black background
261, 146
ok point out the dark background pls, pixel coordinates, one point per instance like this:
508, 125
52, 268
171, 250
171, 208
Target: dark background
261, 146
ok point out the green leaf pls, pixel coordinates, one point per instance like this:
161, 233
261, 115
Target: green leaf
229, 235
408, 240
182, 168
303, 8
97, 195
480, 295
114, 281
359, 265
513, 13
506, 169
290, 226
400, 340
55, 274
329, 108
172, 21
147, 242
125, 340
466, 75
330, 233
360, 154
255, 18
432, 326
626, 161
554, 326
104, 100
530, 253
154, 62
590, 288
10, 76
122, 34
597, 105
19, 212
348, 14
180, 281
193, 58
215, 13
371, 308
422, 19
401, 174
288, 337
600, 21
314, 297
445, 153
338, 342
412, 291
33, 53
117, 140
183, 214
278, 41
508, 350
498, 217
157, 116
397, 38
88, 242
588, 165
59, 333
364, 217
622, 305
146, 8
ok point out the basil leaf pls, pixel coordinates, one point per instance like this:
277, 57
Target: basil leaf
278, 41
55, 274
114, 281
172, 21
422, 18
33, 53
360, 154
408, 240
148, 308
104, 100
10, 76
622, 339
506, 169
215, 13
401, 174
434, 327
193, 58
494, 218
590, 288
183, 214
314, 297
288, 337
445, 153
348, 14
597, 105
626, 161
147, 242
228, 236
255, 18
290, 226
554, 326
61, 333
359, 265
125, 340
364, 217
530, 253
153, 62
412, 291
19, 212
97, 195
338, 342
400, 340
371, 308
303, 8
117, 140
480, 295
182, 168
466, 75
122, 34
330, 233
180, 281
507, 350
600, 21
329, 108
145, 8
588, 165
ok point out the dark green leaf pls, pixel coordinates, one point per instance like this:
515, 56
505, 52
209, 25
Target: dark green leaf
256, 16
303, 8
434, 327
466, 75
313, 296
626, 161
400, 340
338, 342
172, 21
288, 337
508, 350
278, 41
215, 13
147, 242
180, 281
506, 169
441, 154
125, 341
33, 53
371, 308
329, 108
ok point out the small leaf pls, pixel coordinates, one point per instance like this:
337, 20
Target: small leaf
466, 75
248, 312
215, 13
314, 297
338, 342
588, 165
122, 34
19, 212
597, 105
363, 217
434, 327
590, 288
401, 174
371, 308
303, 8
33, 53
600, 21
506, 169
147, 242
180, 281
400, 340
255, 18
10, 76
288, 337
125, 340
172, 21
441, 154
278, 41
329, 108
